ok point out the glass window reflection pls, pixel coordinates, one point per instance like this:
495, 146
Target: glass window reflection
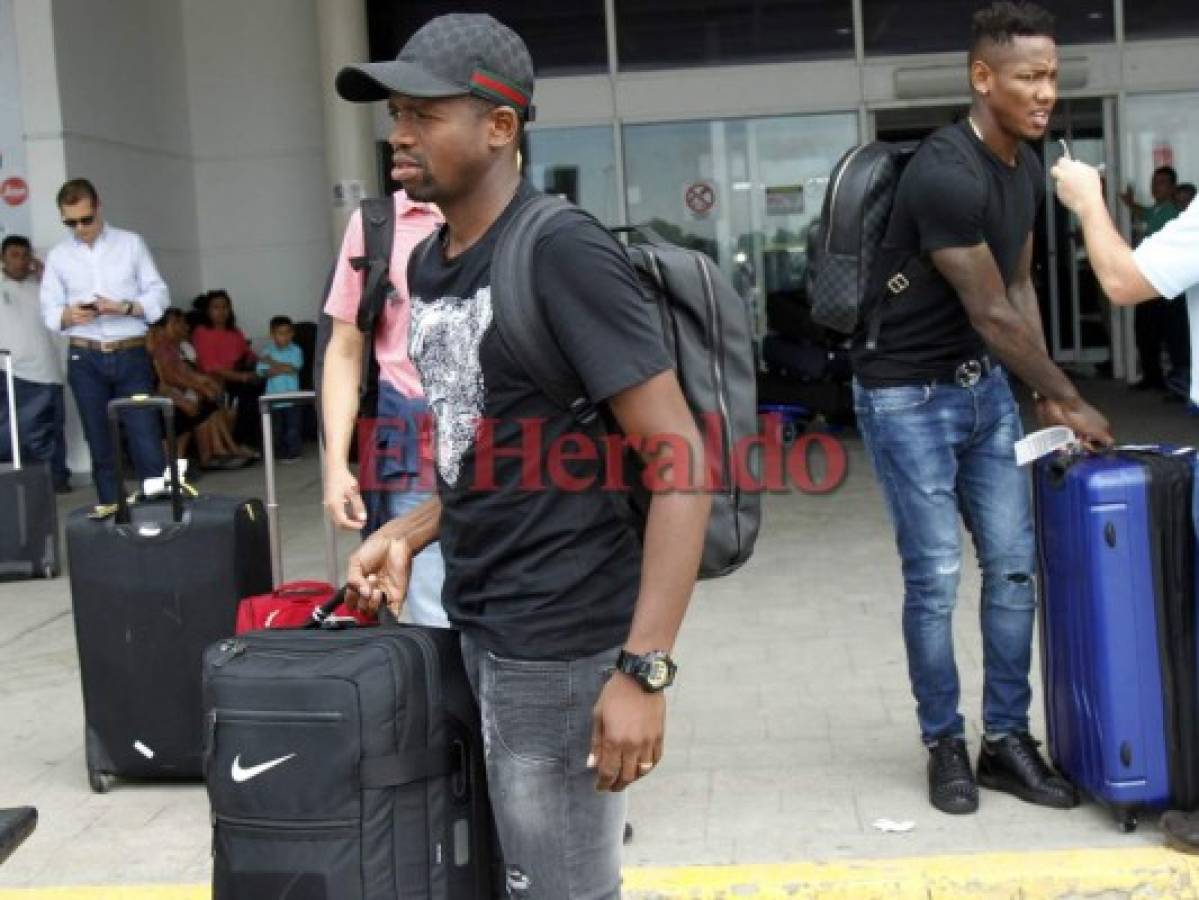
744, 191
578, 164
660, 33
930, 26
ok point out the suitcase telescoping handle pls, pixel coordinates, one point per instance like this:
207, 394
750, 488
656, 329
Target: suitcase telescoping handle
266, 405
321, 615
145, 402
12, 409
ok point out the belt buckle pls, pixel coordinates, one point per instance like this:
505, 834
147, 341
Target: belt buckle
108, 346
898, 283
969, 373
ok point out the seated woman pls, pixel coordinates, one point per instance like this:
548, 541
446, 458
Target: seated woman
223, 352
196, 396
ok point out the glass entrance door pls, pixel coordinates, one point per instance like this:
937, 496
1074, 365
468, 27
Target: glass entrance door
1079, 321
742, 190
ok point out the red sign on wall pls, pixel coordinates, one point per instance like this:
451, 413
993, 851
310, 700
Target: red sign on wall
14, 191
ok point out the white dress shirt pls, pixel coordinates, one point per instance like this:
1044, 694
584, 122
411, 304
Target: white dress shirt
1169, 260
117, 266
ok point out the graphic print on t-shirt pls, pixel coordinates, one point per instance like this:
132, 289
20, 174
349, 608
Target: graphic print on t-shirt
443, 342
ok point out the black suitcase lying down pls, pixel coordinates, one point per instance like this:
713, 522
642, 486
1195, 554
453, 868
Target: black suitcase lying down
345, 765
151, 587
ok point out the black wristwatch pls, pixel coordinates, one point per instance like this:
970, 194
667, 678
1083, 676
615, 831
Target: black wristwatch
654, 671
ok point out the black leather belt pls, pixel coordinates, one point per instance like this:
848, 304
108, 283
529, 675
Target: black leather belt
969, 373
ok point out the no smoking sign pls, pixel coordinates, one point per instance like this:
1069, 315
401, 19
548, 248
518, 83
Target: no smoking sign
14, 191
699, 197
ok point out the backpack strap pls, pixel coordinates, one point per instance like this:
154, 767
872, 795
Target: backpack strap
917, 265
518, 312
378, 236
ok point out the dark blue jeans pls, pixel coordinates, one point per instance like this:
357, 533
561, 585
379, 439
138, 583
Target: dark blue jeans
286, 422
41, 419
96, 378
939, 450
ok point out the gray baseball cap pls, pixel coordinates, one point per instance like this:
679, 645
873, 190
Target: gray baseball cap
449, 56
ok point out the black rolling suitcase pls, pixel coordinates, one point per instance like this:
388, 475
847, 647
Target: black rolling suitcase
151, 587
28, 514
345, 765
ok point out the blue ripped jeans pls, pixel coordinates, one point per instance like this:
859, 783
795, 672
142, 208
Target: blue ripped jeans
560, 838
940, 450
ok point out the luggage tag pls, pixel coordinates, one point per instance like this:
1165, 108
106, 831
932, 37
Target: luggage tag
1044, 442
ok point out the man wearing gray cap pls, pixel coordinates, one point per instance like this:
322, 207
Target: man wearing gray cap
567, 623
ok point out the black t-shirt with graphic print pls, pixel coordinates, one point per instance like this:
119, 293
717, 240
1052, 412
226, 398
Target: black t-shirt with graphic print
534, 569
946, 200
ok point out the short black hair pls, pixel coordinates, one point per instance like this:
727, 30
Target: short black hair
75, 190
172, 312
15, 240
1168, 171
1004, 20
280, 321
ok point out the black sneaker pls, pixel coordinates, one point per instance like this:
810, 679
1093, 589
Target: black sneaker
951, 786
1013, 764
1181, 830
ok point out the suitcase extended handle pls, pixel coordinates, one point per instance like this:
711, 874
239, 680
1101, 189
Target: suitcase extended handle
143, 402
266, 405
12, 409
321, 615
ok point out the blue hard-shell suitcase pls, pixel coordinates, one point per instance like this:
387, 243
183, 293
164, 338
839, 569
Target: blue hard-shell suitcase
1116, 549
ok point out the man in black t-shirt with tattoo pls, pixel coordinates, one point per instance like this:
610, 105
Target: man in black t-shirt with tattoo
937, 415
550, 586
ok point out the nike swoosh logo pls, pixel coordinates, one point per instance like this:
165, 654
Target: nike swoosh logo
240, 774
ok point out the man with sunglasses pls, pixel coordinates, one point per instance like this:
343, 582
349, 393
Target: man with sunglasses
101, 289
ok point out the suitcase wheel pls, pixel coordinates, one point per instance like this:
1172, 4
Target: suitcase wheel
99, 782
1126, 819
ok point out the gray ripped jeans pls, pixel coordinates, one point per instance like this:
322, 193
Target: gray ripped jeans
561, 839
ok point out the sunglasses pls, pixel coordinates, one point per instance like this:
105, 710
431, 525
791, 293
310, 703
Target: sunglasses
82, 220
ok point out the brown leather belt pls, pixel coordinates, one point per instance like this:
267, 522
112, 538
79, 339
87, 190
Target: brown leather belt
108, 346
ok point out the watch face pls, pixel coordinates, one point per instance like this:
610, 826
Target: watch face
658, 674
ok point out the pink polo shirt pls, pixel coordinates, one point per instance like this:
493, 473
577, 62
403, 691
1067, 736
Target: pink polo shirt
414, 221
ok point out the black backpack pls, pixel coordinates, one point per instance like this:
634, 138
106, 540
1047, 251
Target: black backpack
378, 234
708, 333
849, 269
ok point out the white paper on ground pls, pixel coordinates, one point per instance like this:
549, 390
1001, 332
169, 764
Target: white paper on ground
893, 827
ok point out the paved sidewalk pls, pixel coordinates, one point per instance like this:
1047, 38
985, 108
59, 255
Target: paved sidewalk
791, 725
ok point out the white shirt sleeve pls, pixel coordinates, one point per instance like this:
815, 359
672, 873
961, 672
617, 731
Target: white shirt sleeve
1169, 260
53, 294
153, 295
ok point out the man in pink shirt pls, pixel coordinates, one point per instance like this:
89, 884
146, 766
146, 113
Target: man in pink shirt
394, 461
